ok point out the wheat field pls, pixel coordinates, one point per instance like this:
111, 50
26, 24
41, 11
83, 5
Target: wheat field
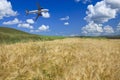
66, 59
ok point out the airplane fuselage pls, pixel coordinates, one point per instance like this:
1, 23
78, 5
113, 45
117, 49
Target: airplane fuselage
38, 11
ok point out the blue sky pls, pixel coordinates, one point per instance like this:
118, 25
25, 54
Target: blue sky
65, 17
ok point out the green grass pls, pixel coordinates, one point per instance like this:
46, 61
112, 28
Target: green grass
9, 35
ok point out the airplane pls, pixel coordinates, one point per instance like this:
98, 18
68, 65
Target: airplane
38, 12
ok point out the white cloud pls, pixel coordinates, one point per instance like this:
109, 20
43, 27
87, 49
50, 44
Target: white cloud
12, 22
30, 21
21, 24
84, 1
72, 35
43, 28
92, 29
6, 9
65, 18
118, 29
31, 30
77, 0
114, 4
100, 13
103, 11
45, 14
108, 29
25, 25
97, 29
66, 23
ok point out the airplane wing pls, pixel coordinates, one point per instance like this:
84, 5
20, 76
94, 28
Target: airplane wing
38, 16
39, 8
27, 12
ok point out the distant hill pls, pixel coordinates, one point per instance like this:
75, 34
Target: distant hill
11, 31
10, 35
99, 37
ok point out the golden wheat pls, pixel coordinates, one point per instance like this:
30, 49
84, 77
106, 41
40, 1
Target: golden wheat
67, 59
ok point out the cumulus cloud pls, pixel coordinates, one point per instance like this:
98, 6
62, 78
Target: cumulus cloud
72, 35
108, 29
45, 14
12, 22
6, 9
114, 4
84, 1
97, 29
30, 21
20, 23
77, 0
66, 23
65, 18
100, 13
92, 29
118, 29
43, 28
103, 11
25, 25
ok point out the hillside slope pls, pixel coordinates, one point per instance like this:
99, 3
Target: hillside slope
9, 35
11, 31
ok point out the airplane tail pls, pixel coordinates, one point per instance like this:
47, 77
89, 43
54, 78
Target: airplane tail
27, 12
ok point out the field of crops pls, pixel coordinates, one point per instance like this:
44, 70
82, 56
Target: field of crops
65, 59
